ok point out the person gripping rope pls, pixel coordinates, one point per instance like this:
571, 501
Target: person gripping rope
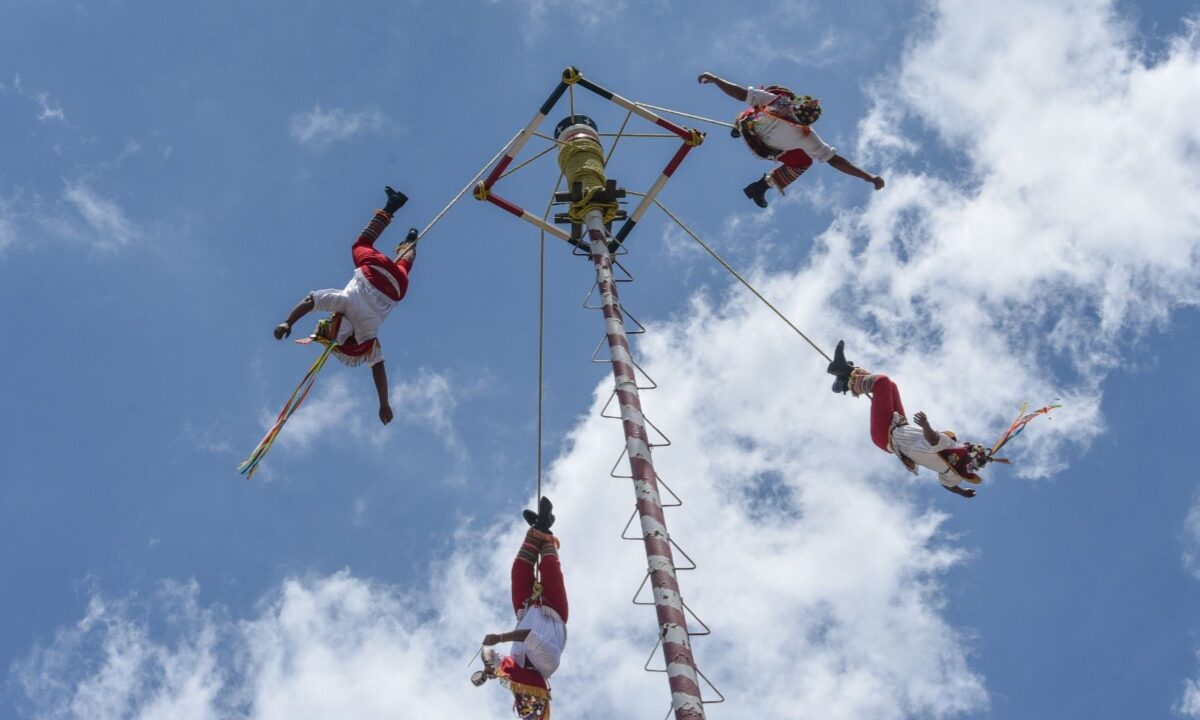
778, 126
941, 452
541, 632
379, 284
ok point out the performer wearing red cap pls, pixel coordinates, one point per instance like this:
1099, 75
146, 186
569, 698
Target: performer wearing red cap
777, 126
541, 632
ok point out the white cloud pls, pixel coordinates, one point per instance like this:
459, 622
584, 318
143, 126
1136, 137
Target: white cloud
8, 226
428, 400
1191, 539
110, 228
318, 128
821, 566
49, 110
1189, 706
334, 408
342, 406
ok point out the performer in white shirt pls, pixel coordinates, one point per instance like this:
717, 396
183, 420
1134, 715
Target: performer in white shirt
777, 126
941, 452
541, 632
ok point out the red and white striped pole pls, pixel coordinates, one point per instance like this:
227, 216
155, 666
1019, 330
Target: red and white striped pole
668, 603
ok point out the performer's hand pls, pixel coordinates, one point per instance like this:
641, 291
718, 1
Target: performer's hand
705, 78
491, 639
385, 414
877, 182
921, 420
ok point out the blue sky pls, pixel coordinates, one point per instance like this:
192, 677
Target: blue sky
175, 178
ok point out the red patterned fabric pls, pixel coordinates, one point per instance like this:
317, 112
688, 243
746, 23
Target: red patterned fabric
959, 461
385, 275
522, 675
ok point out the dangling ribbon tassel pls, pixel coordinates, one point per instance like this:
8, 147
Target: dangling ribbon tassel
1017, 427
248, 467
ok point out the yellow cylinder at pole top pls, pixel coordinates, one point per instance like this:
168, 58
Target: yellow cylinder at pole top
581, 159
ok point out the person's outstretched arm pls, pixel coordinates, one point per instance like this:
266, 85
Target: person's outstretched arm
511, 636
967, 493
379, 375
838, 162
737, 92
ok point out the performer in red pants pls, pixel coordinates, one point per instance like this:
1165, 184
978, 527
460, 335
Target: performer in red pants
777, 126
379, 284
541, 632
941, 452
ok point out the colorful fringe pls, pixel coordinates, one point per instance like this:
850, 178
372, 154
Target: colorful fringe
250, 465
1016, 428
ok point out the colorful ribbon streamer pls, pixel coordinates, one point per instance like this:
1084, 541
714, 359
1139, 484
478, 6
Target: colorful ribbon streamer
1017, 427
248, 467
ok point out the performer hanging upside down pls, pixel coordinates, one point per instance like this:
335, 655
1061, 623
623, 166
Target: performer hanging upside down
941, 452
541, 632
777, 126
378, 285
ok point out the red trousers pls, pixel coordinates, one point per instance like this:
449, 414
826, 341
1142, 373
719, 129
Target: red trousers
794, 163
885, 400
554, 592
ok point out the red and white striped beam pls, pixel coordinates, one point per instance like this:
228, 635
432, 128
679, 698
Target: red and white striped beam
655, 189
482, 193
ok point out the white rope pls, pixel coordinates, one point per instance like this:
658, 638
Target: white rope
741, 279
686, 115
468, 186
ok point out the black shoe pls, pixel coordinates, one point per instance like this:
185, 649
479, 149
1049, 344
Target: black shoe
735, 133
757, 191
282, 330
395, 200
840, 365
545, 516
530, 517
413, 235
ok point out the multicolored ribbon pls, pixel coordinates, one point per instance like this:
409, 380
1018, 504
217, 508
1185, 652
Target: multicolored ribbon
248, 467
1017, 427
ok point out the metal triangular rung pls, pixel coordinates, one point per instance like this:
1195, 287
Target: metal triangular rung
604, 410
714, 689
638, 592
666, 441
625, 532
592, 291
613, 472
629, 523
640, 329
628, 275
662, 485
588, 298
699, 672
692, 562
650, 658
676, 501
652, 386
608, 360
707, 629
